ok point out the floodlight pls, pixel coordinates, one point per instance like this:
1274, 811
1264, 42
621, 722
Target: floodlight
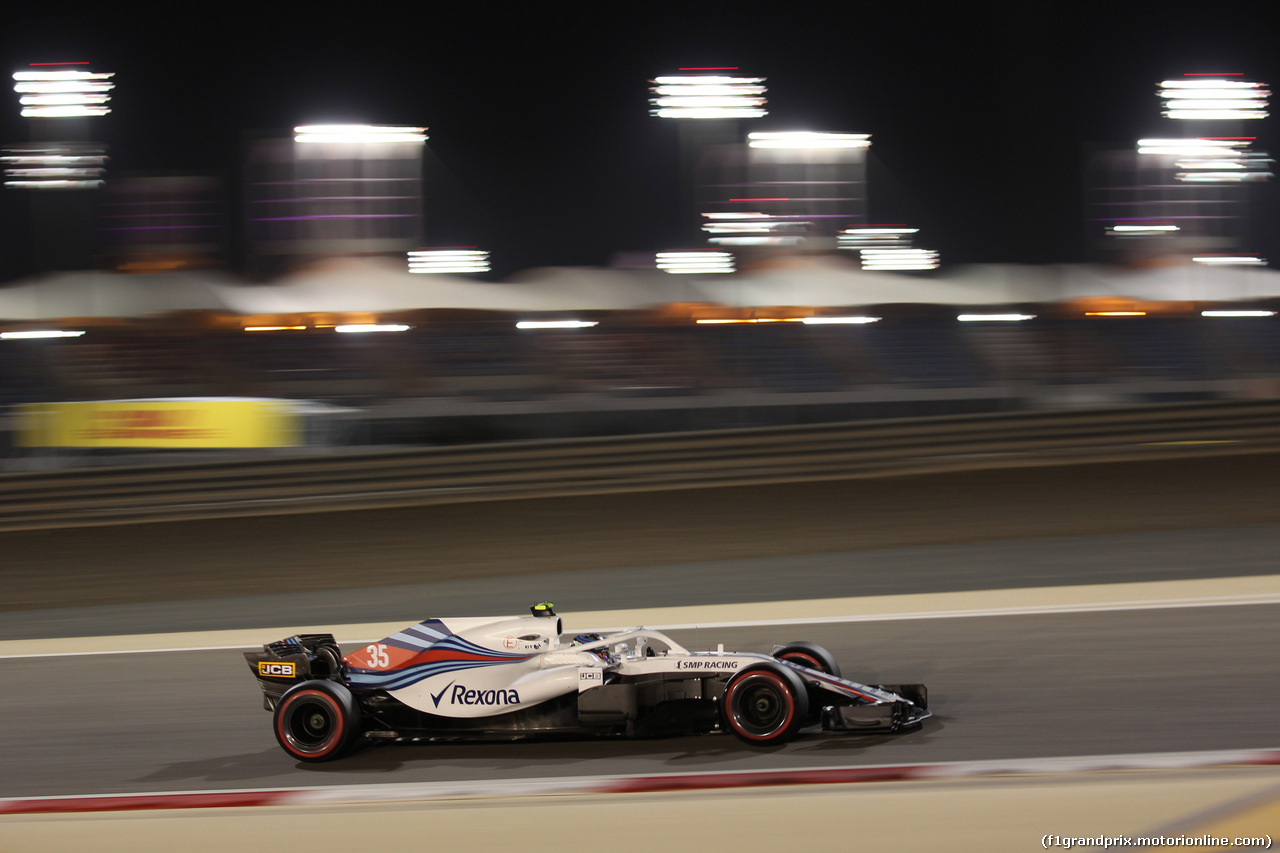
1212, 99
53, 185
1230, 260
1237, 313
753, 229
795, 240
1210, 164
358, 134
1221, 177
899, 259
448, 261
806, 139
63, 94
750, 226
732, 321
64, 112
357, 328
875, 236
1191, 147
556, 324
994, 318
63, 99
1207, 82
41, 333
1140, 230
70, 88
708, 97
842, 321
1210, 161
695, 262
54, 165
1214, 105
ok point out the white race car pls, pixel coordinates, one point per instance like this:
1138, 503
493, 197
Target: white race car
517, 677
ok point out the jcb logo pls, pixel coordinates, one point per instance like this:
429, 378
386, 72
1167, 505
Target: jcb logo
280, 670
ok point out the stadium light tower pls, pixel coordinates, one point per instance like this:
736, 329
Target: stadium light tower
48, 90
790, 188
334, 189
1187, 193
58, 98
706, 103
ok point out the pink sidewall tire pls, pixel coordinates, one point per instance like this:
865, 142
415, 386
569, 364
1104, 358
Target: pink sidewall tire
316, 720
810, 656
765, 705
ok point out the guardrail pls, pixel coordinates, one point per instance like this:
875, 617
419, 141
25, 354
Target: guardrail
407, 477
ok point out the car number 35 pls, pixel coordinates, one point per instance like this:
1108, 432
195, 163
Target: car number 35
378, 656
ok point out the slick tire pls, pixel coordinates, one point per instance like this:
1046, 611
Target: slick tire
765, 705
810, 656
815, 657
316, 720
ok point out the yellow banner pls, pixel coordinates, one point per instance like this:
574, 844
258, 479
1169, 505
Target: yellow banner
159, 423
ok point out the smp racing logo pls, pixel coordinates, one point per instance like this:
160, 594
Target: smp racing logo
462, 695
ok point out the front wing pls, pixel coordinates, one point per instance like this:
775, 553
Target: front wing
848, 706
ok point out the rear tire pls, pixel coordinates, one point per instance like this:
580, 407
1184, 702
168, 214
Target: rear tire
810, 656
765, 705
316, 720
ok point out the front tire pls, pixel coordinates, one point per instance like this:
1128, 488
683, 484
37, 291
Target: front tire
316, 720
765, 705
810, 656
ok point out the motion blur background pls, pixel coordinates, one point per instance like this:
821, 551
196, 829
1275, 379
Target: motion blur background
324, 316
588, 222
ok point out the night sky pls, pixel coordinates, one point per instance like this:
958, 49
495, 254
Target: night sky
541, 146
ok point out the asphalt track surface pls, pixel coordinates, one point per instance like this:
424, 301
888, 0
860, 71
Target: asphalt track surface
1002, 687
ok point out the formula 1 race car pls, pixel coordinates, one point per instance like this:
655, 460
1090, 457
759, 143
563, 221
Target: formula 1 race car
517, 677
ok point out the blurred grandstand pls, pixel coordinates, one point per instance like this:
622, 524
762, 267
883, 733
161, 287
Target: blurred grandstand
652, 361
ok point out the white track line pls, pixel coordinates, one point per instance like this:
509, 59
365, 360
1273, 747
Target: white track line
1025, 601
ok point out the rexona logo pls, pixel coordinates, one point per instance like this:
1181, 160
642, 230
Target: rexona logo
463, 695
279, 670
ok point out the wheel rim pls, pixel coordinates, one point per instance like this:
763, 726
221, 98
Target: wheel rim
311, 725
760, 706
